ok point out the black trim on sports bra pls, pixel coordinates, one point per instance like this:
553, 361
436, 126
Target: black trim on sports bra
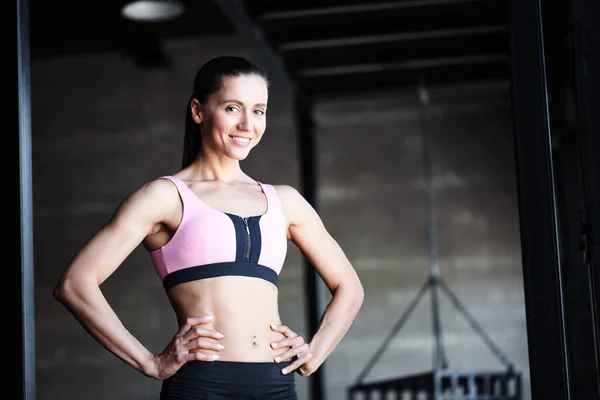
220, 269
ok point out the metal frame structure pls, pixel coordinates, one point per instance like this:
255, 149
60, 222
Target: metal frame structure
553, 167
573, 84
25, 323
442, 382
540, 243
444, 385
585, 56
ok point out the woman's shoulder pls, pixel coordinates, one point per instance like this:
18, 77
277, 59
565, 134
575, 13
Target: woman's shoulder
287, 194
154, 199
284, 190
295, 207
160, 184
159, 189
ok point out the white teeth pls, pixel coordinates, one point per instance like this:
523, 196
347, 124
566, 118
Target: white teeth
240, 139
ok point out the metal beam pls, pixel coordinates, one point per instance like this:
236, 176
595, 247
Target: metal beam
238, 16
389, 38
315, 287
444, 16
586, 77
398, 65
359, 8
25, 326
571, 89
536, 195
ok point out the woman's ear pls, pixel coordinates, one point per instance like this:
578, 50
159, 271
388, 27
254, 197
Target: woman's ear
196, 110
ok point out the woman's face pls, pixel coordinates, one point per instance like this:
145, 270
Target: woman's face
234, 118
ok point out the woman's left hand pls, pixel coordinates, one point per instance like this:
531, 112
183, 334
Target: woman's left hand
299, 351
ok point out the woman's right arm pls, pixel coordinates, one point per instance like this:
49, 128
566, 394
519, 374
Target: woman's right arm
79, 286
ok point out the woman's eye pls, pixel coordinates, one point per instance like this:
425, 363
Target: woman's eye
260, 112
232, 108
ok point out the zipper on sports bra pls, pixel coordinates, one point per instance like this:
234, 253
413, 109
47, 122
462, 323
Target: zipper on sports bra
248, 239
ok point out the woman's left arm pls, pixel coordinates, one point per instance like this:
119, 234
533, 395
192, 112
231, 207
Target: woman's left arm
307, 231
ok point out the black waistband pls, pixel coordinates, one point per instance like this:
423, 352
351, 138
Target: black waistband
234, 268
232, 371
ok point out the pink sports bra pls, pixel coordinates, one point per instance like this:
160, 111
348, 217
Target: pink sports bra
210, 243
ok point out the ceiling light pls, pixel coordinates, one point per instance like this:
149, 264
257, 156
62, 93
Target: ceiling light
152, 10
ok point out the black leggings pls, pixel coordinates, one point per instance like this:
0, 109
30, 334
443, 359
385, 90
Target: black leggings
230, 380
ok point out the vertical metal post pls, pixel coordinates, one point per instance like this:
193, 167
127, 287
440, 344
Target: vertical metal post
25, 327
540, 241
308, 169
439, 355
585, 37
578, 316
566, 135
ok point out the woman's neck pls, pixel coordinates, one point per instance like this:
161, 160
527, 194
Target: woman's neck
224, 169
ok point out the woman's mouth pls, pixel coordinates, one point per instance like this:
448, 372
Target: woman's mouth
242, 141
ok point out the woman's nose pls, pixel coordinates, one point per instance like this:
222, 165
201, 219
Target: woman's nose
245, 123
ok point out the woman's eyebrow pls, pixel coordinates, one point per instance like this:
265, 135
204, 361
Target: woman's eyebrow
240, 103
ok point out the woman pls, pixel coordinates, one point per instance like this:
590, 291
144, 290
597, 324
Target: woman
218, 240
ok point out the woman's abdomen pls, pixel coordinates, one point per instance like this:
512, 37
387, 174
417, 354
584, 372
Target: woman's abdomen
242, 309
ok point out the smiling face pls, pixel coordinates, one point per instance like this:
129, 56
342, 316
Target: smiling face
234, 118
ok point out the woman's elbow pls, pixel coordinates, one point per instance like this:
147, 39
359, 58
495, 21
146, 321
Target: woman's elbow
355, 291
359, 293
62, 290
67, 289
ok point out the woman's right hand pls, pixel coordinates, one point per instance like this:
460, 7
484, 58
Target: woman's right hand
187, 345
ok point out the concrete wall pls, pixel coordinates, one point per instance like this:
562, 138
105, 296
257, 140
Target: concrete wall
101, 128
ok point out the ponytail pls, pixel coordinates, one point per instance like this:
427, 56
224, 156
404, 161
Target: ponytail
192, 141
